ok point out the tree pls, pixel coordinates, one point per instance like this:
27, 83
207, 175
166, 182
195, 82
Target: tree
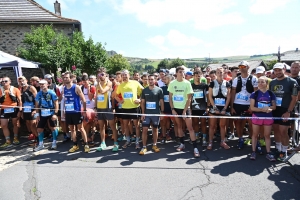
175, 63
270, 64
58, 52
163, 64
150, 69
117, 63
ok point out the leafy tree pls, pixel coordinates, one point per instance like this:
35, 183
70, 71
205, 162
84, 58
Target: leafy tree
150, 69
116, 63
59, 52
163, 64
270, 64
175, 63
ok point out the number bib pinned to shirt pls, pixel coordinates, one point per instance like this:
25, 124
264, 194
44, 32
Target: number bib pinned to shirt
69, 106
128, 95
243, 97
45, 112
219, 101
198, 95
27, 107
100, 98
151, 105
9, 110
178, 98
88, 102
166, 98
278, 101
262, 105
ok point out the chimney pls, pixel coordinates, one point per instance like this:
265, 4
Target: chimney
57, 8
296, 49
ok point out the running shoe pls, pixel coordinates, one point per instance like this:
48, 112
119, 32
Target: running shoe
50, 139
137, 145
91, 144
31, 137
270, 157
253, 156
101, 147
6, 145
209, 146
231, 136
133, 139
282, 156
16, 141
204, 143
224, 145
115, 148
155, 149
143, 151
181, 147
241, 143
196, 153
38, 148
74, 148
259, 149
247, 141
53, 147
262, 142
168, 138
163, 141
121, 138
86, 148
127, 144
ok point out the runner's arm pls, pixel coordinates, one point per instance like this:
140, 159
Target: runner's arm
18, 94
228, 98
171, 100
233, 93
56, 107
162, 105
106, 88
143, 106
188, 102
210, 98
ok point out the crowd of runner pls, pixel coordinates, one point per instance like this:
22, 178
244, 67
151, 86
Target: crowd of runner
198, 103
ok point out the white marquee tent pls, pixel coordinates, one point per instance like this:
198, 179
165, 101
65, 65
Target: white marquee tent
7, 60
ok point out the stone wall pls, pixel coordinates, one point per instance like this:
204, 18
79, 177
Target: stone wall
12, 35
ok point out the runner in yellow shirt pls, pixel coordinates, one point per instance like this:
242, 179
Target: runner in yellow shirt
130, 91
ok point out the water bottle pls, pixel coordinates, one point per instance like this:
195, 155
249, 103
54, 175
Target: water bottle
120, 106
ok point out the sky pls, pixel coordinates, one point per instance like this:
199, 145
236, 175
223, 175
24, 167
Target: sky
158, 29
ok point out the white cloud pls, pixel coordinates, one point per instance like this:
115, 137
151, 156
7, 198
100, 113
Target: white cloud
204, 14
87, 2
157, 40
267, 6
177, 38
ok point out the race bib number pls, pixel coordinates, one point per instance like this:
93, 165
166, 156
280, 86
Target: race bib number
262, 105
27, 109
166, 98
69, 107
128, 95
9, 110
88, 102
178, 98
198, 95
219, 101
45, 112
278, 101
151, 105
242, 97
100, 98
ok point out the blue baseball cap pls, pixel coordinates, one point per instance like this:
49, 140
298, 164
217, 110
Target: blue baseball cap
189, 73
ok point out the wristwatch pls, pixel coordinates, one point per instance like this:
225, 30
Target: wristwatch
289, 111
172, 109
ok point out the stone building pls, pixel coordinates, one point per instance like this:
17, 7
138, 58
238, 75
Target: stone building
18, 16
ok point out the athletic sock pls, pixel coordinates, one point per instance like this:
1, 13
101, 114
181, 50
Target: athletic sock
182, 140
55, 134
41, 138
75, 143
204, 135
284, 148
128, 138
194, 144
278, 146
137, 139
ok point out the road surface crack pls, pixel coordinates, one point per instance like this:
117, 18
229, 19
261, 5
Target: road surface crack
30, 185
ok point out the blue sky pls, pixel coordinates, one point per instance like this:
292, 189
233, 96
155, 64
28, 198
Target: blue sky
187, 28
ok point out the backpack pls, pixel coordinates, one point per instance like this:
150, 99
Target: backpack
11, 94
249, 86
82, 88
27, 95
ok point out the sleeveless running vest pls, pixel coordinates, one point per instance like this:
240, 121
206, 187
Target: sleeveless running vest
103, 100
72, 100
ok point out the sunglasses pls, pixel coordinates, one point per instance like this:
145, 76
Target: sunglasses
111, 79
101, 74
242, 66
6, 81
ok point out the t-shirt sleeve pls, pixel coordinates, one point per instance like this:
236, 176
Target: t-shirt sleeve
203, 80
18, 93
93, 89
143, 94
161, 94
212, 84
170, 88
140, 88
54, 96
252, 95
234, 82
37, 97
254, 81
273, 97
118, 90
189, 88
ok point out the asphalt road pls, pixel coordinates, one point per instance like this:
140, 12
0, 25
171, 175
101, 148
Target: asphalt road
217, 174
